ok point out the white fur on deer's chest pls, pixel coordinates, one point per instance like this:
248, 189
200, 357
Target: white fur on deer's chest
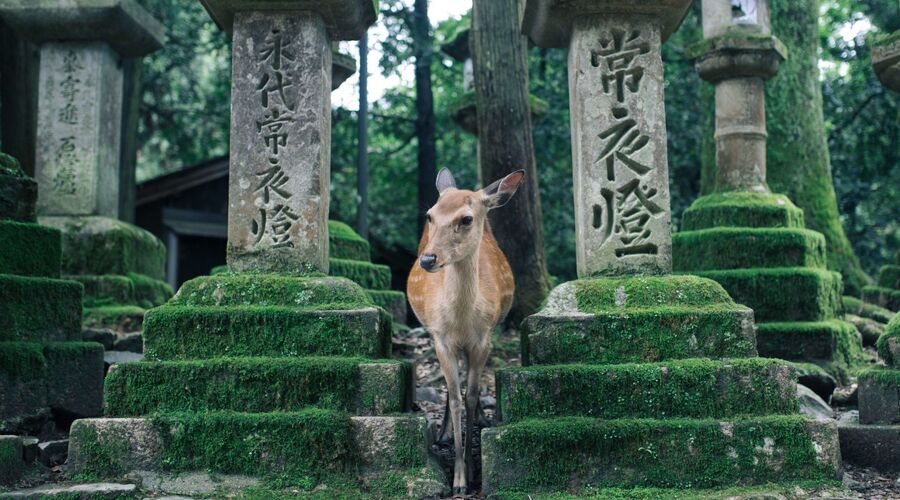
462, 321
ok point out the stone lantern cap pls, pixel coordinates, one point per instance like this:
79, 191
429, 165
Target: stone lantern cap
736, 56
342, 67
123, 24
345, 19
886, 60
458, 47
548, 23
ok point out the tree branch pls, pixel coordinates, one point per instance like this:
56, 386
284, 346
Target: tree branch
391, 152
854, 115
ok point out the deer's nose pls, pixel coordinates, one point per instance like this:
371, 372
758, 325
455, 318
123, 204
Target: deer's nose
428, 261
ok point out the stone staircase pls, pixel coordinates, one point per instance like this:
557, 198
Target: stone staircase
649, 382
756, 246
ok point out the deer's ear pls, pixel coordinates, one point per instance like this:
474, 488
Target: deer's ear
499, 193
444, 181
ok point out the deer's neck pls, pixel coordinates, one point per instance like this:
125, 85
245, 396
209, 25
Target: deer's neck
461, 284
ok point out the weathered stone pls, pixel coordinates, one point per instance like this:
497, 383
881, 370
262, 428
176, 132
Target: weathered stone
879, 397
342, 67
131, 342
875, 446
52, 453
811, 404
91, 491
30, 449
279, 184
18, 192
344, 19
11, 464
886, 60
816, 378
103, 336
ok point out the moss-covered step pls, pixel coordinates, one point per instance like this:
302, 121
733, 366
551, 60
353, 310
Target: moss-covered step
303, 447
888, 298
29, 249
889, 276
35, 378
18, 192
745, 247
368, 275
392, 301
783, 294
637, 319
853, 305
574, 453
39, 309
102, 245
690, 388
134, 289
889, 344
879, 396
870, 445
742, 209
834, 344
12, 464
227, 289
345, 243
259, 385
121, 318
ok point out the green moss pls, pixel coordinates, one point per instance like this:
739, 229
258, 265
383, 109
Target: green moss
22, 360
345, 243
646, 292
852, 305
150, 292
692, 388
258, 385
102, 455
783, 294
889, 276
732, 248
633, 336
783, 490
834, 344
185, 332
271, 290
882, 376
10, 166
223, 269
392, 301
888, 298
11, 463
742, 209
39, 309
889, 344
105, 290
118, 317
29, 249
366, 274
572, 453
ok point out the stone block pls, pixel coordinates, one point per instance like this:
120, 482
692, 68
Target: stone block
828, 342
876, 446
345, 243
887, 298
18, 192
270, 290
11, 463
879, 397
342, 67
258, 385
29, 249
39, 309
740, 56
101, 245
783, 294
179, 332
889, 276
121, 319
889, 343
744, 247
105, 289
853, 305
124, 24
345, 19
742, 209
577, 454
392, 301
549, 23
53, 453
366, 274
87, 491
692, 388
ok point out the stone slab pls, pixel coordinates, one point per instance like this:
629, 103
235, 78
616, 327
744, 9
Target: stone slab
879, 397
742, 209
345, 19
739, 57
876, 446
124, 24
29, 249
39, 309
549, 23
90, 491
342, 67
823, 341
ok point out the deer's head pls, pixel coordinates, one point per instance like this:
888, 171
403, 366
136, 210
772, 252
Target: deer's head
455, 224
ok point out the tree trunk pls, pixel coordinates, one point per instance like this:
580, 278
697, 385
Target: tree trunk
427, 155
505, 145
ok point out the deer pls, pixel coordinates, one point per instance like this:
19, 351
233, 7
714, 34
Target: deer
460, 288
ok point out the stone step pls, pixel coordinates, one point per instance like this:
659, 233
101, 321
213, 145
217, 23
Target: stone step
366, 274
873, 445
742, 209
223, 290
119, 318
65, 377
39, 309
853, 305
783, 293
345, 243
889, 276
879, 396
131, 289
306, 446
691, 388
88, 491
575, 453
392, 301
887, 298
745, 247
11, 463
196, 332
834, 343
29, 249
259, 385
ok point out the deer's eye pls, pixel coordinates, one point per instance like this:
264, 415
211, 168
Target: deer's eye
466, 221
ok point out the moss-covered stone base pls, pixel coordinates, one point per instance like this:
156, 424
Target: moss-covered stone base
39, 309
870, 445
102, 245
783, 294
368, 275
392, 301
693, 388
835, 345
742, 209
345, 243
29, 249
259, 385
572, 453
115, 317
225, 290
888, 298
852, 305
740, 248
889, 344
879, 397
36, 377
133, 289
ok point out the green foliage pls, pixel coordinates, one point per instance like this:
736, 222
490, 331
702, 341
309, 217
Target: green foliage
10, 166
39, 309
732, 248
29, 249
889, 276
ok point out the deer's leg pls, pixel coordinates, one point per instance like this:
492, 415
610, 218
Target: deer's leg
476, 358
445, 436
447, 358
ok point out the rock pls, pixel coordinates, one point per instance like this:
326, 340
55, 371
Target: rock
130, 342
811, 404
817, 379
420, 332
488, 402
870, 329
53, 453
29, 449
429, 394
11, 464
113, 357
104, 336
93, 491
845, 396
876, 446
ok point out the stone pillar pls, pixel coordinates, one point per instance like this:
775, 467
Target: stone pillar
740, 54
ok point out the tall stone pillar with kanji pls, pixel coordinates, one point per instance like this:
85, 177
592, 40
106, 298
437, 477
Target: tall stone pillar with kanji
611, 393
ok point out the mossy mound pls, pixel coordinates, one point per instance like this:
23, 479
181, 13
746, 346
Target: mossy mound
835, 345
852, 305
783, 294
742, 209
29, 249
573, 453
692, 388
889, 343
368, 275
39, 309
888, 298
345, 243
226, 290
738, 248
889, 276
259, 385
